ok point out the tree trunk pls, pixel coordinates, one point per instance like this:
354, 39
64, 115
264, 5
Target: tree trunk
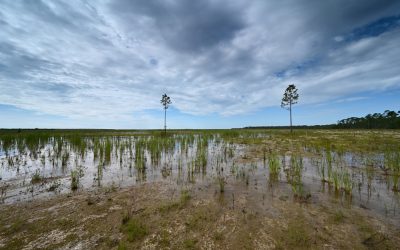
165, 121
290, 109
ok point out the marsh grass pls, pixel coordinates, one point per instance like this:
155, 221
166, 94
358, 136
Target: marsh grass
75, 178
221, 183
99, 173
342, 180
392, 165
197, 152
338, 217
185, 197
329, 166
134, 230
336, 180
183, 201
64, 159
218, 236
274, 166
321, 170
295, 236
200, 218
370, 172
122, 246
347, 183
126, 216
36, 177
189, 155
295, 175
3, 193
190, 243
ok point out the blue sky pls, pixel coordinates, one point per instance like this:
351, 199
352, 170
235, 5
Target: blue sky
80, 64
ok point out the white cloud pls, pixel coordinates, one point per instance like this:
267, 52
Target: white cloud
79, 60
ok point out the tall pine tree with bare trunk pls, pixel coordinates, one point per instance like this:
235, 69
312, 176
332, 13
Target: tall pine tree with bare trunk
165, 101
290, 98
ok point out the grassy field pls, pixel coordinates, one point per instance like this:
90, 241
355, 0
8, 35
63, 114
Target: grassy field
199, 189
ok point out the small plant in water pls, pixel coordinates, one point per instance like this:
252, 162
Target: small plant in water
336, 180
36, 177
274, 165
295, 174
3, 192
392, 163
347, 183
75, 176
321, 170
329, 165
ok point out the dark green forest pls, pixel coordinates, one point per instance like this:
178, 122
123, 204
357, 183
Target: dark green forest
387, 120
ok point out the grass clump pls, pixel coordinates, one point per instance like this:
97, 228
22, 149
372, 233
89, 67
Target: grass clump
392, 164
221, 183
218, 236
126, 217
134, 230
185, 197
74, 180
36, 177
122, 246
17, 226
347, 183
296, 236
165, 240
75, 177
336, 180
200, 218
183, 201
295, 176
342, 180
165, 208
190, 243
338, 217
274, 165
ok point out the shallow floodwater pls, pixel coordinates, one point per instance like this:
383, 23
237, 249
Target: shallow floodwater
63, 165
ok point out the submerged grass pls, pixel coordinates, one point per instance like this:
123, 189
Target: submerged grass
295, 175
191, 156
274, 166
75, 178
392, 165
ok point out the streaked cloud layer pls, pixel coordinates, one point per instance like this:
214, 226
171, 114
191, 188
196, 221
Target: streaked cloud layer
86, 60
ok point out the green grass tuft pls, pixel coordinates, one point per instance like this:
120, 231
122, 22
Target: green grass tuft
134, 230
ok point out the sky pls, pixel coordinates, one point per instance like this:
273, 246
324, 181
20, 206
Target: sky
225, 64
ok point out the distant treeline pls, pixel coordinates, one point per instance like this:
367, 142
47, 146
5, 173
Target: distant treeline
387, 120
327, 126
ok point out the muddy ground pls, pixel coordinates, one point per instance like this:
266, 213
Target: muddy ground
159, 216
